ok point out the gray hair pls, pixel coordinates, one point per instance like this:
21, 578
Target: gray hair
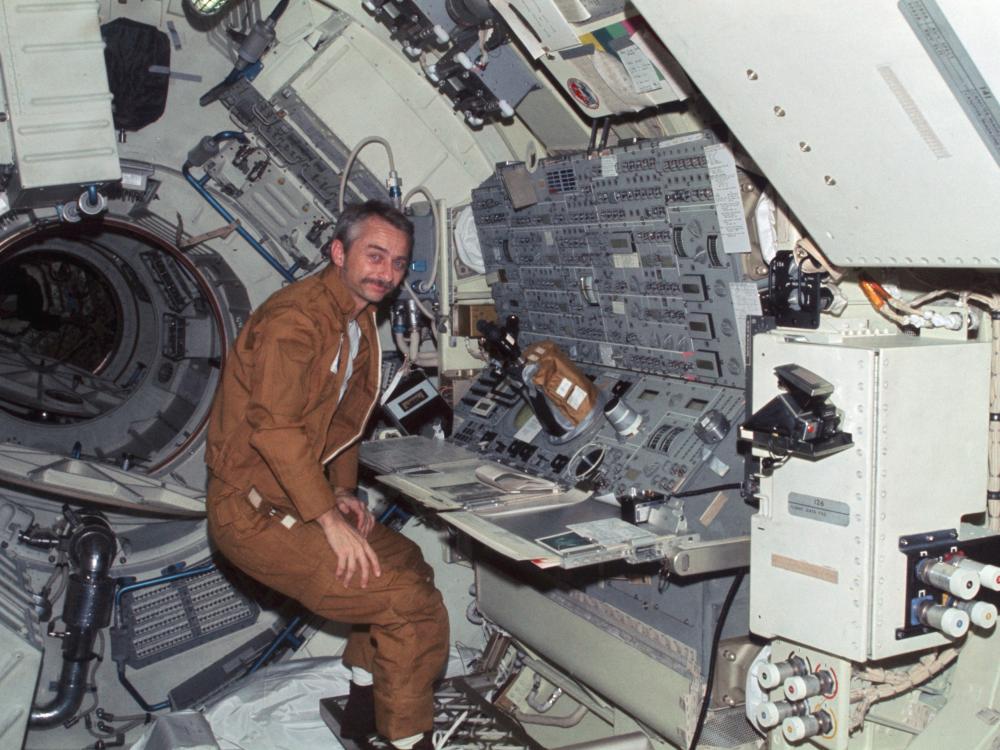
355, 215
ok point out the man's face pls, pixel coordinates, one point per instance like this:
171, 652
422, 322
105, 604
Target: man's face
376, 262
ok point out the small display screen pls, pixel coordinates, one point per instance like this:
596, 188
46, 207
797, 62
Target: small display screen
696, 404
705, 364
566, 541
695, 325
648, 395
691, 288
412, 400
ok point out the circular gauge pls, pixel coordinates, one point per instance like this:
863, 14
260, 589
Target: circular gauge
587, 460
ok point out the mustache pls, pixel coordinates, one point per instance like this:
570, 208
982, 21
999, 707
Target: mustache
380, 284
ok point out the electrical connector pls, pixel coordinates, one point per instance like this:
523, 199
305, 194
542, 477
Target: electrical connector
395, 186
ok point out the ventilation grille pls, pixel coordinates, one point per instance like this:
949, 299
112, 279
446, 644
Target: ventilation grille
176, 616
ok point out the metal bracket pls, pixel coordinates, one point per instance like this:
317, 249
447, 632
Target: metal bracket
690, 558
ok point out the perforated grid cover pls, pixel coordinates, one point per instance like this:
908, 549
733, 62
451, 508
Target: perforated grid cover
728, 728
174, 617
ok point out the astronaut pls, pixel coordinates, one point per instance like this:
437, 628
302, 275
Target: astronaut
282, 449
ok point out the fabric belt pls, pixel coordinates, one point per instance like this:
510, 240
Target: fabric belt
257, 501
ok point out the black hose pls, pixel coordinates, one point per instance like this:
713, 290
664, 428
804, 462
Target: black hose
279, 9
214, 93
593, 137
706, 490
69, 697
605, 132
726, 605
86, 610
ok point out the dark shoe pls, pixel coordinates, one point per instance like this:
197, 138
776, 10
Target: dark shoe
359, 713
425, 743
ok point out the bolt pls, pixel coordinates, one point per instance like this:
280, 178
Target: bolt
751, 75
829, 180
3, 117
779, 111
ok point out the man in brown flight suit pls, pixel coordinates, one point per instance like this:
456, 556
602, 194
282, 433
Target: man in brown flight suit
296, 392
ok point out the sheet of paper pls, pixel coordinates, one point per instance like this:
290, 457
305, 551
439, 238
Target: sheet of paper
728, 203
538, 24
746, 301
640, 69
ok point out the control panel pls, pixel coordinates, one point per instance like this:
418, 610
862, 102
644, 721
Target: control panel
618, 258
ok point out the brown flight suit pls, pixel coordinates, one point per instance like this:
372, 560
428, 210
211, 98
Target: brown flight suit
275, 423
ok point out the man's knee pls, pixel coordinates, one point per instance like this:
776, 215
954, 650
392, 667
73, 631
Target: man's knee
417, 596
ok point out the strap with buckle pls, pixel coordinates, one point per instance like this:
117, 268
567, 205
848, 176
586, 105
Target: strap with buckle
257, 501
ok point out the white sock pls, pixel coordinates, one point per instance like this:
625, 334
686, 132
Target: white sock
407, 742
361, 677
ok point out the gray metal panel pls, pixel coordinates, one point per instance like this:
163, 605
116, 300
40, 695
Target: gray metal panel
898, 478
657, 682
58, 99
20, 651
847, 115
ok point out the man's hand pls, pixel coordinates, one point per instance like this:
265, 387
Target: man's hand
354, 554
348, 504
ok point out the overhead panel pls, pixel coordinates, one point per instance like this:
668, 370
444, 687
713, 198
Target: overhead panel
603, 55
845, 108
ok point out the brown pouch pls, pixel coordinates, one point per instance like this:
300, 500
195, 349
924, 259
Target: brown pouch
562, 382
